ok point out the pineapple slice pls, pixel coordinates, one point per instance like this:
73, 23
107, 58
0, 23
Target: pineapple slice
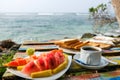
19, 68
61, 66
44, 73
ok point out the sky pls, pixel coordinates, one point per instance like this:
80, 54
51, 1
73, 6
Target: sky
81, 6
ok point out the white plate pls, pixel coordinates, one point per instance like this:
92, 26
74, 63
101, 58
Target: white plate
102, 64
53, 77
69, 51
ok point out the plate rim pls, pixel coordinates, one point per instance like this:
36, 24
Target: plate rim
89, 66
53, 77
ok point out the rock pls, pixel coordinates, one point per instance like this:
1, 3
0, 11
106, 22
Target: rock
6, 44
88, 35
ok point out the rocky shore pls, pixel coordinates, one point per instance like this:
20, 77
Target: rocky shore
7, 45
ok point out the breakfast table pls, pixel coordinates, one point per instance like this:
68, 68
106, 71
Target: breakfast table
76, 71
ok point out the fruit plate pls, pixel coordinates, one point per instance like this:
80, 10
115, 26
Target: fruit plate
53, 77
69, 51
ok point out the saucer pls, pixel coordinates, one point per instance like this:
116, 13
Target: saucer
101, 65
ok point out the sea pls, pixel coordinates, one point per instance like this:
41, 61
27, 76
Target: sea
43, 26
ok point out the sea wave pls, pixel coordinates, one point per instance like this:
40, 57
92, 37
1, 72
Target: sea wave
33, 26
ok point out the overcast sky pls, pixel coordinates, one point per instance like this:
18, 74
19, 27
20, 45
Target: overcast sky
48, 5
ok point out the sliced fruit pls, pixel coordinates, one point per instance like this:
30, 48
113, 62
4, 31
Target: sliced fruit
21, 61
34, 57
46, 61
16, 62
31, 58
61, 56
30, 51
11, 64
41, 63
44, 73
51, 61
61, 66
45, 64
30, 68
20, 68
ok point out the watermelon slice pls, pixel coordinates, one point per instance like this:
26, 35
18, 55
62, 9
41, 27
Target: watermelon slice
46, 61
41, 63
59, 54
30, 68
51, 61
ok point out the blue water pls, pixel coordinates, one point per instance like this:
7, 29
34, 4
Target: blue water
43, 27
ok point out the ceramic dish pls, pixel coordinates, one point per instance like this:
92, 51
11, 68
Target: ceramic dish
53, 77
101, 65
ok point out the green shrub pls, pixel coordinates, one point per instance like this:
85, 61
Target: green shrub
4, 58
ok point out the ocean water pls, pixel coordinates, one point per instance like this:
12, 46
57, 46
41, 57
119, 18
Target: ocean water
21, 27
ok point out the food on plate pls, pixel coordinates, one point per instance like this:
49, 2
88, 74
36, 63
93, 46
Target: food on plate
30, 51
80, 45
45, 61
44, 73
45, 64
76, 44
50, 72
20, 61
16, 62
69, 43
61, 66
19, 68
101, 45
30, 67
